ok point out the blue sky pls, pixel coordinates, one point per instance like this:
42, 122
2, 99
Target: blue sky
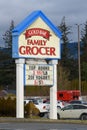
75, 12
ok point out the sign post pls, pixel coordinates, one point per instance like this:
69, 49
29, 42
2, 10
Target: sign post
53, 93
20, 88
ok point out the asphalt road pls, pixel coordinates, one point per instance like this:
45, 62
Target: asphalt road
41, 126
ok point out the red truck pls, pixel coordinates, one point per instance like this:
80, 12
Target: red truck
68, 95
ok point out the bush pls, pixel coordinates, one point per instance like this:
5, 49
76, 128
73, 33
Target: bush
7, 107
31, 110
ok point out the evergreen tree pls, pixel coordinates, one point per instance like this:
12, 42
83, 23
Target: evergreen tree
84, 71
7, 68
84, 52
68, 62
7, 65
65, 40
84, 43
7, 37
63, 82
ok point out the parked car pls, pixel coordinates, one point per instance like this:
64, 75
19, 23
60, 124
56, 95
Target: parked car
43, 107
38, 102
73, 111
78, 101
26, 101
61, 104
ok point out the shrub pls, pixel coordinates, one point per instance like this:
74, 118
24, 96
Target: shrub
31, 110
7, 107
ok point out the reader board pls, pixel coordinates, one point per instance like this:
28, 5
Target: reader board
38, 75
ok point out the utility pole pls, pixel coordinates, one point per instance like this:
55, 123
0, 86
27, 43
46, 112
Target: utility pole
79, 64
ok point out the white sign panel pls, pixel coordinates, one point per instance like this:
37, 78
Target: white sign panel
39, 75
39, 41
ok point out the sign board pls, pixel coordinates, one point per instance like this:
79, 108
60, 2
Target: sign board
36, 37
39, 75
38, 41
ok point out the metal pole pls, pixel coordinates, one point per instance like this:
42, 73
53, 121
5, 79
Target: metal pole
79, 65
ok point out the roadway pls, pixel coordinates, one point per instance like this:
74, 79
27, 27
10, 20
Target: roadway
41, 126
26, 124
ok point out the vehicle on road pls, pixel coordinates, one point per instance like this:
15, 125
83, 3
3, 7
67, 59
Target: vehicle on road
73, 111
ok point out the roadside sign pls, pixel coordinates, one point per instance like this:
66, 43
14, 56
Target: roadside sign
40, 75
36, 37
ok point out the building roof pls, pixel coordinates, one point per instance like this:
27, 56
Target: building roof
30, 19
